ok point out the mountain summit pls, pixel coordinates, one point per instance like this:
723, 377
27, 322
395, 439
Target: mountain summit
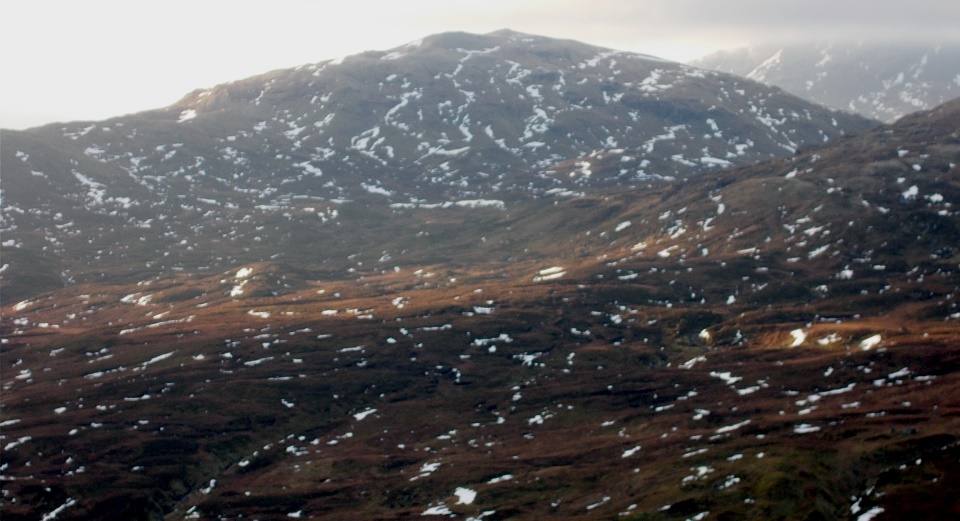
459, 110
452, 109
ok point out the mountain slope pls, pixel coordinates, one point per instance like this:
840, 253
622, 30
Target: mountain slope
773, 341
879, 81
265, 166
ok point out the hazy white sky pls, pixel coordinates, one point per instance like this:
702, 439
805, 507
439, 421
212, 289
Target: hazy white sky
68, 60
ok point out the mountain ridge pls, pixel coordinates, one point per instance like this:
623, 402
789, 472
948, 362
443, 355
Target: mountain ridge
876, 79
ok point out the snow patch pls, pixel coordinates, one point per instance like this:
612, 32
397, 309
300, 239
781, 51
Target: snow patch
363, 414
549, 274
870, 342
187, 115
465, 496
798, 337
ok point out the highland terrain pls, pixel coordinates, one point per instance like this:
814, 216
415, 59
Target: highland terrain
482, 277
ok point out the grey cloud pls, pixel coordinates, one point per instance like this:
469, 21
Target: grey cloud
810, 19
745, 20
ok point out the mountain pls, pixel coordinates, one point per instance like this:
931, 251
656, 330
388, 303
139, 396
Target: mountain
452, 119
879, 81
775, 340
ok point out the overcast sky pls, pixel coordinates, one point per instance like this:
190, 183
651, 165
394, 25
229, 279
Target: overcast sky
69, 60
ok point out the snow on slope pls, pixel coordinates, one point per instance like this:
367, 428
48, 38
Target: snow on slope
878, 81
